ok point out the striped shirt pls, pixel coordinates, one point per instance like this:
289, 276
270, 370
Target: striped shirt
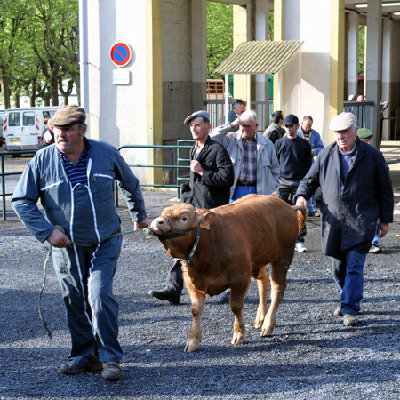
76, 173
248, 174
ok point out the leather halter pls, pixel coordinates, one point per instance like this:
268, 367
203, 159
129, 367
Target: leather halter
174, 232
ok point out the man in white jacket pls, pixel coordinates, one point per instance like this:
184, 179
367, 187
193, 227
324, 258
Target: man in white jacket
253, 156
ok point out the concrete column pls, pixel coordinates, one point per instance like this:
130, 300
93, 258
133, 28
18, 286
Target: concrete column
373, 65
261, 33
386, 72
199, 53
240, 35
312, 83
278, 35
352, 52
125, 111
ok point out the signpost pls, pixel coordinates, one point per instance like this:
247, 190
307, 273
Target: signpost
121, 54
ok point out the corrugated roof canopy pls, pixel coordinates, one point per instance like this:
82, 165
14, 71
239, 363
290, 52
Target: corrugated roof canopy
259, 57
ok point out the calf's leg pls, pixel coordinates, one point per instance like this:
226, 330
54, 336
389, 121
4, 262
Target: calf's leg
197, 299
278, 284
236, 302
263, 287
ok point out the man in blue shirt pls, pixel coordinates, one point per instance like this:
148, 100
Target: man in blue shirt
74, 180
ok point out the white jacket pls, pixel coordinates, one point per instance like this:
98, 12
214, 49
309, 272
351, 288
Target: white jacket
267, 163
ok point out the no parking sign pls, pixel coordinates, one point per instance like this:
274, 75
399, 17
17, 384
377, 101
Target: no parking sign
121, 54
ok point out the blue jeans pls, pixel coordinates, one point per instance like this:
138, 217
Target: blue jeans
349, 276
241, 191
375, 240
86, 276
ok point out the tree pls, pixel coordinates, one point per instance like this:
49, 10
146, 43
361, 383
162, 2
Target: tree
219, 35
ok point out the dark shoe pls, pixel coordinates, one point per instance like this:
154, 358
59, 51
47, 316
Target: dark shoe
350, 320
111, 371
375, 249
337, 312
92, 365
173, 298
224, 296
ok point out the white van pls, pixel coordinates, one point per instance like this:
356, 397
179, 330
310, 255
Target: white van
24, 127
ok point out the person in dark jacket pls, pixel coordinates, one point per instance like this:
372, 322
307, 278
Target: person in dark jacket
356, 192
211, 176
275, 130
295, 159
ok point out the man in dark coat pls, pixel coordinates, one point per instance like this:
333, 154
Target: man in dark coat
356, 192
211, 176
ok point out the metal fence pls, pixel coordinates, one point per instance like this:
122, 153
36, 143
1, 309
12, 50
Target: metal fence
4, 174
216, 109
362, 110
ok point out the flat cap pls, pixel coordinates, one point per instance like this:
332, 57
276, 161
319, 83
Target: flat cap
291, 119
364, 133
343, 122
69, 115
200, 113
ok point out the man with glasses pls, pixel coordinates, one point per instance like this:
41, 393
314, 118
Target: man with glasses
295, 159
356, 192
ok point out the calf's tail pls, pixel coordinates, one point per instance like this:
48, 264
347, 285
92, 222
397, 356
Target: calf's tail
301, 215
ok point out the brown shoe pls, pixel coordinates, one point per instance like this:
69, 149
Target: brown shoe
350, 320
92, 365
111, 370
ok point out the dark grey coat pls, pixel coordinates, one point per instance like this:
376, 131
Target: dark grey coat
350, 209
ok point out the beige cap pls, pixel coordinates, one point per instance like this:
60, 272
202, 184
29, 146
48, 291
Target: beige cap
69, 115
343, 122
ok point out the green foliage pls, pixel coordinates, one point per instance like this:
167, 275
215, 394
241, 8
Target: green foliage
38, 47
219, 35
361, 49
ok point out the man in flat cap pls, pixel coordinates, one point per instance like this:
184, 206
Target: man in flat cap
356, 192
211, 176
74, 180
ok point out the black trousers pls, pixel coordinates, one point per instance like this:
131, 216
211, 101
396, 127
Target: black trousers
174, 281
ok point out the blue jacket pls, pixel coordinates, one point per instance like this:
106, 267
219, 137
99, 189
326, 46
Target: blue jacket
87, 214
350, 209
314, 139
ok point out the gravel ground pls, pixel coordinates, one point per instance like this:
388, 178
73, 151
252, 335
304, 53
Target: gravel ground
310, 355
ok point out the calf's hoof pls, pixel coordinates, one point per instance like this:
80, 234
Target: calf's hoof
267, 332
191, 346
238, 338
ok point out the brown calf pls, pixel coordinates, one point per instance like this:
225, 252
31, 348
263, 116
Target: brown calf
234, 242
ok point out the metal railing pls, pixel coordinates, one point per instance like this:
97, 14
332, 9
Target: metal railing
362, 110
4, 174
176, 165
216, 109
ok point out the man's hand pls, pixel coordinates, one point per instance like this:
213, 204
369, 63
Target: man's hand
383, 229
141, 224
236, 122
301, 201
57, 238
196, 167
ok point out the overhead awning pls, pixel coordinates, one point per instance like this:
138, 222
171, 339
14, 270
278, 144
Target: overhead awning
259, 57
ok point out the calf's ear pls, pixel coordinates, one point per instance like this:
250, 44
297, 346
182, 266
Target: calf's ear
204, 217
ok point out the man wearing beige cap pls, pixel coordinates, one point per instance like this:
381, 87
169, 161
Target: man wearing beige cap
74, 180
356, 192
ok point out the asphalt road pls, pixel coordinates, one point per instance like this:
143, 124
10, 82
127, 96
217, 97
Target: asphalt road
310, 355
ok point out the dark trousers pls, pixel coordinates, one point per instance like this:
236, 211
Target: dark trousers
286, 191
174, 281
